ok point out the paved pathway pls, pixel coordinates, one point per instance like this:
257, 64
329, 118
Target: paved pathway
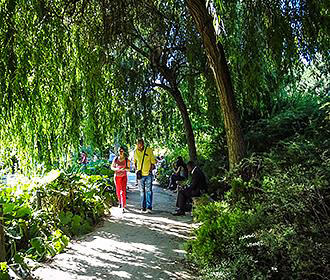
129, 245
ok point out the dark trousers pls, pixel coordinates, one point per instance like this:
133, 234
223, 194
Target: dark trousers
173, 179
184, 196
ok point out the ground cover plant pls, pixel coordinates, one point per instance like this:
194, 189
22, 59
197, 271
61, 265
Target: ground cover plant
41, 215
274, 222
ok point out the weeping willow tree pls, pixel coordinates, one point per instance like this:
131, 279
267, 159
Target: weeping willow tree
52, 84
263, 40
76, 72
32, 81
273, 42
68, 78
157, 32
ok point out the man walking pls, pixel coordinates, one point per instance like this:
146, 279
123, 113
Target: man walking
144, 161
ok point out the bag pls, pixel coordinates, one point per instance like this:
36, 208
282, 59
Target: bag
139, 174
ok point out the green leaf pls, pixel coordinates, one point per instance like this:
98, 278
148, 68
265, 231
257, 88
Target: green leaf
65, 218
38, 244
24, 211
76, 224
8, 208
76, 220
3, 266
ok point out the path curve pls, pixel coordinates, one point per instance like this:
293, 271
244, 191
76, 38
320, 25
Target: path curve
129, 245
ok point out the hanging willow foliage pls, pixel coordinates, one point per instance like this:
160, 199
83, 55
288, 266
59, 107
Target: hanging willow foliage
267, 43
62, 87
68, 77
52, 93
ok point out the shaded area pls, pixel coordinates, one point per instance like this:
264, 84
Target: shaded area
129, 245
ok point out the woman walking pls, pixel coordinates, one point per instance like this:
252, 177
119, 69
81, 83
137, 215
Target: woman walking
121, 165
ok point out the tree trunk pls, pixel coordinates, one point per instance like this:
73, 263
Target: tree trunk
170, 75
218, 64
2, 237
186, 122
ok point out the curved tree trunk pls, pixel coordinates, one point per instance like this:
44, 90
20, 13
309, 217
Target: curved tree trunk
173, 89
171, 77
186, 122
218, 63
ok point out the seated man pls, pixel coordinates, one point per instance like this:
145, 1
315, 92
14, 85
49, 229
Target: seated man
198, 184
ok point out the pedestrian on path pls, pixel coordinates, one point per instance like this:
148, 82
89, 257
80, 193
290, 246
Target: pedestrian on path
121, 164
144, 161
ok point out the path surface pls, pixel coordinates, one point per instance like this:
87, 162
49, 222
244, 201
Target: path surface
132, 245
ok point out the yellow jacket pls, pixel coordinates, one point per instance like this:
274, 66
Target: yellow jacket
149, 159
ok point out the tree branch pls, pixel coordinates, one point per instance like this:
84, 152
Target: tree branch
139, 50
167, 88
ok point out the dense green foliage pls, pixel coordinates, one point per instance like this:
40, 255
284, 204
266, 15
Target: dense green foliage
41, 215
92, 81
267, 43
274, 221
89, 73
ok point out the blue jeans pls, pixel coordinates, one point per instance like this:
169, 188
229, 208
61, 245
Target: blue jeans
145, 187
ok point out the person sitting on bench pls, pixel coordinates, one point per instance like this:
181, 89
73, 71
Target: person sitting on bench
180, 173
198, 184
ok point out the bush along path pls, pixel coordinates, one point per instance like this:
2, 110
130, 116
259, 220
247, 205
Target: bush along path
41, 214
129, 245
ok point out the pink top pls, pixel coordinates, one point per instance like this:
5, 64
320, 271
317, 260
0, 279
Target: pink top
122, 164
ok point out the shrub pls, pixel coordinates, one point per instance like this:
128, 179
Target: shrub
274, 221
163, 176
41, 215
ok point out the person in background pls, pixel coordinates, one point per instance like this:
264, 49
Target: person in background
14, 164
83, 158
121, 164
111, 156
145, 183
198, 184
180, 173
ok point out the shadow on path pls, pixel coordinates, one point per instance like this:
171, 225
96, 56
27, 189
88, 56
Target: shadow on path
129, 245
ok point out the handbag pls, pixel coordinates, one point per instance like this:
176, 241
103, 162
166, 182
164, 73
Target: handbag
139, 172
139, 175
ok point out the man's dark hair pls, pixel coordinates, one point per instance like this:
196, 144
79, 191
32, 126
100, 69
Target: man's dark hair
191, 164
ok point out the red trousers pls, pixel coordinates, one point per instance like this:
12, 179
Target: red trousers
121, 183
